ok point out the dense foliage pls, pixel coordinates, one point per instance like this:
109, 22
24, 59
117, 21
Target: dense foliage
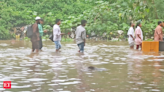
103, 16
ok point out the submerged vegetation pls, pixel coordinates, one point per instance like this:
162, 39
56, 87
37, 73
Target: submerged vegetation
103, 16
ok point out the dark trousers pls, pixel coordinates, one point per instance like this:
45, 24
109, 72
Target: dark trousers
35, 45
40, 43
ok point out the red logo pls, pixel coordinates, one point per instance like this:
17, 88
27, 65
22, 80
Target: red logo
7, 84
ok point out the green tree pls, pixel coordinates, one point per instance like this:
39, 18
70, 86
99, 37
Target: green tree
103, 16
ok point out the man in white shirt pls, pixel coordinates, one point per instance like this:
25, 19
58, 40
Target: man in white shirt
57, 34
131, 36
81, 36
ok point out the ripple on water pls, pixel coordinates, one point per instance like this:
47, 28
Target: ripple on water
23, 81
25, 86
5, 78
63, 76
27, 64
74, 79
104, 62
106, 59
40, 73
53, 84
148, 87
12, 59
17, 67
29, 70
57, 68
162, 70
8, 68
123, 59
59, 89
112, 61
54, 64
45, 70
91, 56
156, 65
117, 58
36, 79
155, 90
1, 56
158, 59
17, 77
2, 89
141, 83
25, 72
58, 80
96, 63
119, 63
100, 58
72, 62
150, 60
38, 83
70, 83
38, 70
4, 44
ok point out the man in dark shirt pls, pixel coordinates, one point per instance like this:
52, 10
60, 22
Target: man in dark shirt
35, 37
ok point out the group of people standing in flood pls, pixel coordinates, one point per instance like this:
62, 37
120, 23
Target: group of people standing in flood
37, 29
80, 35
136, 37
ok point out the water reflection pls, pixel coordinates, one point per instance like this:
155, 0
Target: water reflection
126, 70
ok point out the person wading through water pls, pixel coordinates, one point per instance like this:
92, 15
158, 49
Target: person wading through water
139, 36
158, 33
40, 26
57, 34
35, 37
81, 36
131, 36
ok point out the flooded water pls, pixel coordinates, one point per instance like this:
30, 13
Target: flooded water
126, 70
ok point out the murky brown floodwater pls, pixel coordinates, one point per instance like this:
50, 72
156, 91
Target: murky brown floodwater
127, 70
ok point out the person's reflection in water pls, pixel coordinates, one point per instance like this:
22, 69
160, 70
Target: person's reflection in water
55, 54
156, 74
57, 71
31, 55
82, 86
12, 41
134, 71
152, 68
